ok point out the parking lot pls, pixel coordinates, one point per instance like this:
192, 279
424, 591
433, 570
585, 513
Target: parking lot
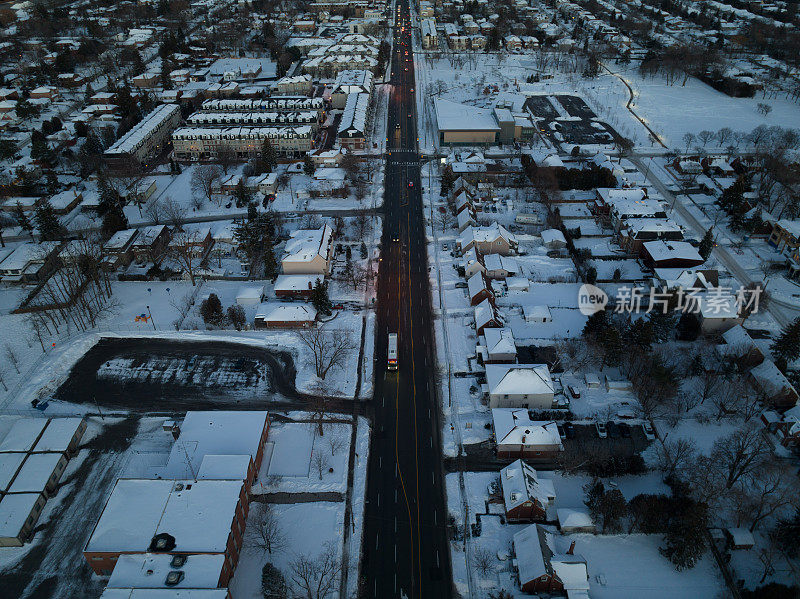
571, 118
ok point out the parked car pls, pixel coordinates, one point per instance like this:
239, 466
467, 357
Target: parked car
601, 429
574, 392
625, 430
649, 433
569, 428
461, 285
613, 429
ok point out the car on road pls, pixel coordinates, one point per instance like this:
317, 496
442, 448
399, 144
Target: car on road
574, 392
649, 433
411, 184
600, 427
445, 247
397, 126
613, 429
291, 215
569, 428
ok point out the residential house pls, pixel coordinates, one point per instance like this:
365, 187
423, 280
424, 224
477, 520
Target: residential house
486, 317
543, 566
278, 315
500, 267
494, 239
768, 380
670, 254
151, 243
517, 436
527, 496
295, 286
119, 249
30, 262
309, 252
497, 346
520, 385
478, 290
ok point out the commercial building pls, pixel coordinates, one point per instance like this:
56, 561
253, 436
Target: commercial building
462, 125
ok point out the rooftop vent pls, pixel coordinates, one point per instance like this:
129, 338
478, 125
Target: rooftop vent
173, 578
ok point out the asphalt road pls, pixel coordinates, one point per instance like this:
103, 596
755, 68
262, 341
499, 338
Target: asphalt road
405, 546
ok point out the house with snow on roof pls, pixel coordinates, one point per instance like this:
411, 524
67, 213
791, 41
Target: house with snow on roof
497, 346
543, 565
486, 317
478, 290
520, 385
494, 239
776, 389
500, 267
309, 252
527, 496
517, 436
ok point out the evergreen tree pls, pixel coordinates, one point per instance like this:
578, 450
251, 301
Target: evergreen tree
273, 583
685, 539
706, 244
211, 309
47, 223
787, 534
271, 269
308, 165
787, 346
22, 219
320, 299
448, 179
269, 157
595, 324
114, 220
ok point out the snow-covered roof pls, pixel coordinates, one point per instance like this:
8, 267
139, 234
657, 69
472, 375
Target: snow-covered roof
500, 262
517, 379
528, 549
10, 463
574, 518
144, 129
25, 253
23, 435
254, 292
521, 483
282, 312
14, 511
295, 282
769, 377
354, 117
484, 313
214, 433
198, 514
500, 341
476, 284
307, 244
552, 236
660, 251
149, 571
35, 472
58, 435
512, 426
120, 239
452, 116
224, 467
738, 339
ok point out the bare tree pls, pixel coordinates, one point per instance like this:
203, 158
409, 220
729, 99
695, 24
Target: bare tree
186, 248
183, 305
316, 577
264, 529
446, 220
321, 463
12, 357
484, 561
174, 212
763, 493
362, 225
336, 442
3, 378
155, 211
729, 395
203, 179
706, 136
329, 347
675, 456
739, 454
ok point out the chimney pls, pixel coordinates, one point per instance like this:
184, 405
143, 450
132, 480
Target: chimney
571, 550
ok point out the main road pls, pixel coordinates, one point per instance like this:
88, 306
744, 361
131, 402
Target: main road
405, 545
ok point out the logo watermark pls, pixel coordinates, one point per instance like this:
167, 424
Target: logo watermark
591, 299
712, 302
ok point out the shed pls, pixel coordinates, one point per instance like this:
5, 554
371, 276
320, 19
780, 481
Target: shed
537, 313
250, 296
739, 538
10, 463
575, 520
553, 239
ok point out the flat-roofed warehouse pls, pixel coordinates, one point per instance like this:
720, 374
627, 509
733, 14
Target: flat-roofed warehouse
461, 125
